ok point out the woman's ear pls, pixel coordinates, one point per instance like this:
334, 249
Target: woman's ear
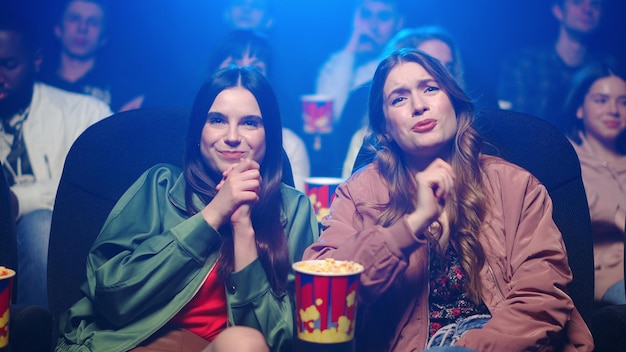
579, 113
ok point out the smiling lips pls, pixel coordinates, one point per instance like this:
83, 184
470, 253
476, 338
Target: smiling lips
612, 124
424, 126
232, 155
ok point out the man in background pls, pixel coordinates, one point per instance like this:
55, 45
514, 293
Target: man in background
535, 80
80, 66
374, 23
38, 124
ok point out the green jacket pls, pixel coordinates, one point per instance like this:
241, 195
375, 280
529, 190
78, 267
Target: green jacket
151, 258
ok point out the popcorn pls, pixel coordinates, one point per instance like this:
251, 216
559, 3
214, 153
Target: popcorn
4, 271
329, 266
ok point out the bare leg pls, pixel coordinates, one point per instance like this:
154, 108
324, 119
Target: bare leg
238, 339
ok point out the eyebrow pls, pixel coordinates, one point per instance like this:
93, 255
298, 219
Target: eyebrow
403, 89
213, 114
399, 91
249, 117
621, 96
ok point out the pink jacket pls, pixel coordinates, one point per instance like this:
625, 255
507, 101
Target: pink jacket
524, 278
605, 184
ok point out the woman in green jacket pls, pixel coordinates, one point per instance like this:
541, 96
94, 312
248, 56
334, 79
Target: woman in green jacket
201, 255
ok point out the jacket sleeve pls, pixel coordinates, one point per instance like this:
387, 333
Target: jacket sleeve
536, 306
259, 306
145, 255
351, 233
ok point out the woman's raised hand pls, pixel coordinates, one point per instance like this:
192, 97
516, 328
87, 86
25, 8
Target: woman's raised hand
434, 185
238, 189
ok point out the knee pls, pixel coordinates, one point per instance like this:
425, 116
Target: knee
43, 216
239, 338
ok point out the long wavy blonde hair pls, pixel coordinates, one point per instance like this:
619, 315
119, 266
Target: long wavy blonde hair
467, 207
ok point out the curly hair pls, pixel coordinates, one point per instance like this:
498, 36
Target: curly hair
467, 207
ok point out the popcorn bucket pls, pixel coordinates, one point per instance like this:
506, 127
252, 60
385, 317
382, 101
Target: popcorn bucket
6, 287
326, 300
317, 113
321, 192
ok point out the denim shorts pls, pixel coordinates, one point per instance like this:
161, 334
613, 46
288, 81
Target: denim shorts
451, 333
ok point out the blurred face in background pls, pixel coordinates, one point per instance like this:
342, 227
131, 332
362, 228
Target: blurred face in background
378, 21
248, 14
81, 30
604, 110
440, 51
18, 67
579, 16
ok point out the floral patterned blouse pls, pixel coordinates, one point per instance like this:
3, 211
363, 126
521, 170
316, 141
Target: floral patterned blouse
448, 301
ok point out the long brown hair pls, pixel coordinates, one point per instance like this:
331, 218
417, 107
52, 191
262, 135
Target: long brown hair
201, 180
467, 207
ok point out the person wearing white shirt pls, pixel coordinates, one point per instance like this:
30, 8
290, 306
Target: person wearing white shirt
38, 124
374, 23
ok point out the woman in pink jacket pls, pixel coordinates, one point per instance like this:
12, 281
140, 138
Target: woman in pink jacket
594, 119
459, 248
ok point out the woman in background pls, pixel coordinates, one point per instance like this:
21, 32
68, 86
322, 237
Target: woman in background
201, 257
594, 119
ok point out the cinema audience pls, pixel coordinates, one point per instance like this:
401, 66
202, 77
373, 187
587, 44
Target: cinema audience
38, 124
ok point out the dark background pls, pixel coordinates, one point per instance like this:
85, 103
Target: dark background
168, 42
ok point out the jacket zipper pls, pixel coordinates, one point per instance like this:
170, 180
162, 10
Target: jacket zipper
495, 281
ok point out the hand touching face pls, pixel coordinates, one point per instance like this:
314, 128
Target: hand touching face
375, 22
435, 184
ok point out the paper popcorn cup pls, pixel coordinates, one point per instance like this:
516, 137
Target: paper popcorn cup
321, 192
326, 300
317, 113
6, 287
